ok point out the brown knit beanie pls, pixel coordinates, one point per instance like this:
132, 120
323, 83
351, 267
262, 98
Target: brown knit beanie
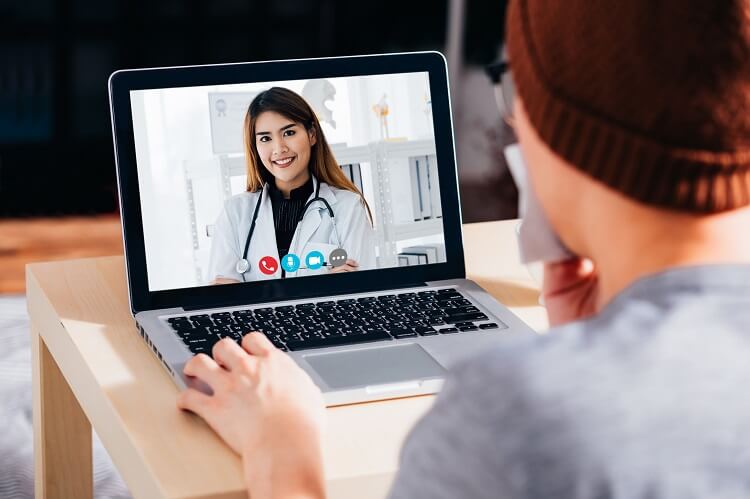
652, 98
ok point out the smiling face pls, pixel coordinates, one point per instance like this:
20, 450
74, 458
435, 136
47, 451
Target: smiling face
284, 148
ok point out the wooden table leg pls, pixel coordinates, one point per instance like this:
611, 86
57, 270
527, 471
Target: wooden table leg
62, 433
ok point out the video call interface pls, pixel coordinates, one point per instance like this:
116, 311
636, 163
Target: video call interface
277, 180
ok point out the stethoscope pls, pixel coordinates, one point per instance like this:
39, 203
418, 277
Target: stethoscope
243, 265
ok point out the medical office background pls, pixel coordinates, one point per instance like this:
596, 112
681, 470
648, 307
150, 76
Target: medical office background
191, 159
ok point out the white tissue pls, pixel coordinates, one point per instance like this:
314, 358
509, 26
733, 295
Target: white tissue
537, 241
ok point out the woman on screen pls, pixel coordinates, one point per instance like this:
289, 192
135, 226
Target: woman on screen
300, 215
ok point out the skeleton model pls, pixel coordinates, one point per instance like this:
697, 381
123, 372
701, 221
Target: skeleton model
381, 111
317, 93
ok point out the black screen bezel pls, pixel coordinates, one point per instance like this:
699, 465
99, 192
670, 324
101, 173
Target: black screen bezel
141, 298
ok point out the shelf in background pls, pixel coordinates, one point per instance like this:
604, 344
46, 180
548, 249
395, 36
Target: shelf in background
421, 228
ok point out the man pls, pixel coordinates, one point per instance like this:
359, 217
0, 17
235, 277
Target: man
634, 118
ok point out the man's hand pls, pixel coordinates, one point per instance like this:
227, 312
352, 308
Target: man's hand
349, 266
266, 409
570, 290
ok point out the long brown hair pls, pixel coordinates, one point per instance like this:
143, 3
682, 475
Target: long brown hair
323, 164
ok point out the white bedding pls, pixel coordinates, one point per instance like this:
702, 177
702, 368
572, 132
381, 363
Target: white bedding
16, 439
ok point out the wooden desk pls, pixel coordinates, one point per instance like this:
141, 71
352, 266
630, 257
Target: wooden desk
92, 368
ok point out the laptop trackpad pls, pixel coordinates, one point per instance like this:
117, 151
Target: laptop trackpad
375, 366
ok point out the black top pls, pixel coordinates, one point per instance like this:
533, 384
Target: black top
286, 213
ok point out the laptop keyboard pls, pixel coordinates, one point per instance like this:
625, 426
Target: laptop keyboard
339, 322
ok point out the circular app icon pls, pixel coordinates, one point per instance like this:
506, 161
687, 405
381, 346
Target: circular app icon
268, 265
314, 260
290, 262
337, 258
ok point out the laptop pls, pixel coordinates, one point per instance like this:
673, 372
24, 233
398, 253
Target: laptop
389, 326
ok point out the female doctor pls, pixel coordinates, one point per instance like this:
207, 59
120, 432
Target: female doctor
299, 205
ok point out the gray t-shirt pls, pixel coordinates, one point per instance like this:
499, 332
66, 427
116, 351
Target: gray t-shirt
649, 399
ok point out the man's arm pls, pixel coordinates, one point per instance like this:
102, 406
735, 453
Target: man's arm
285, 467
268, 410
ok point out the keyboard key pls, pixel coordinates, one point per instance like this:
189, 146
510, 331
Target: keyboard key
338, 340
310, 335
205, 341
459, 324
182, 326
465, 309
284, 308
399, 333
475, 316
448, 330
448, 296
468, 328
202, 320
491, 325
247, 325
425, 331
192, 332
386, 297
226, 332
237, 329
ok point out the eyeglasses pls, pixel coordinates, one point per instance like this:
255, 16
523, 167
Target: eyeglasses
505, 91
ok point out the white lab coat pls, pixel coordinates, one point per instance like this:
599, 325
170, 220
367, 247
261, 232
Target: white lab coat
314, 232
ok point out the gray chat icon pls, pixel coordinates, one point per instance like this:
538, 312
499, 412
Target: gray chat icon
337, 258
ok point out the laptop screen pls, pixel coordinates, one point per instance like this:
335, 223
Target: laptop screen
287, 179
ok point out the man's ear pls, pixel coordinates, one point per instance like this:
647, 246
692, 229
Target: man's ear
313, 137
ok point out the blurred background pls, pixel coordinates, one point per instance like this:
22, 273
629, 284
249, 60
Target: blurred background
56, 157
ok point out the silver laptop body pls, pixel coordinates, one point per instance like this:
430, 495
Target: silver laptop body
346, 373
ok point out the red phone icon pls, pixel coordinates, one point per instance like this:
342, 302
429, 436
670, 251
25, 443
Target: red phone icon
268, 265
